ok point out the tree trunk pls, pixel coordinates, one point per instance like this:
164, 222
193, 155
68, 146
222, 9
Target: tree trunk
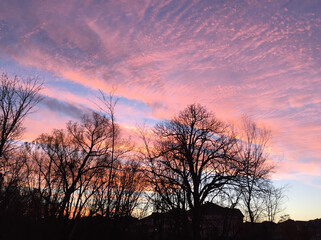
196, 222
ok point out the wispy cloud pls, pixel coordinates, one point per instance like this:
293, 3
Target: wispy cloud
260, 58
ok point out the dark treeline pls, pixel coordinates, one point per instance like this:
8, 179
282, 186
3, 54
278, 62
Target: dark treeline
87, 180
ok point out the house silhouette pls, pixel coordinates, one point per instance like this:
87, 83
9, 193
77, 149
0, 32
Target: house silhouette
215, 221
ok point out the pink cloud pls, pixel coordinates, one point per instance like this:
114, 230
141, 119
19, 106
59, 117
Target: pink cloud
226, 57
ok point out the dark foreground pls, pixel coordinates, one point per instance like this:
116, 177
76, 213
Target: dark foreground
129, 228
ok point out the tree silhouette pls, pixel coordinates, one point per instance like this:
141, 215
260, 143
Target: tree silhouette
70, 161
252, 152
18, 97
193, 154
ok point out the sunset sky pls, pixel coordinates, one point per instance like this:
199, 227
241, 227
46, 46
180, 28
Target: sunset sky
261, 58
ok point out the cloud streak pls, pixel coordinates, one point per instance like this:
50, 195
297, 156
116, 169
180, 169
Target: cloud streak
260, 58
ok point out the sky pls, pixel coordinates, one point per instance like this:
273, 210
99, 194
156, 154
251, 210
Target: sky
260, 58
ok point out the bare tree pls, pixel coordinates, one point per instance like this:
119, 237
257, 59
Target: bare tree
193, 153
18, 98
128, 187
119, 177
120, 197
46, 180
107, 105
252, 152
14, 184
73, 160
274, 199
